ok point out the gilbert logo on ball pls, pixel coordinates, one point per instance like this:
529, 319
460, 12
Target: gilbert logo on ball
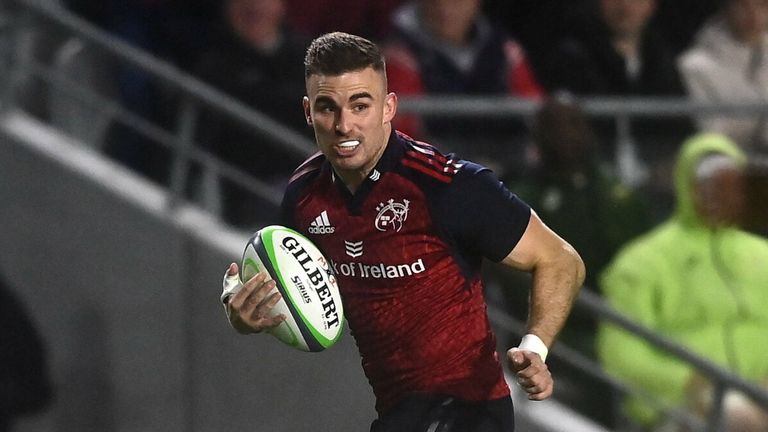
303, 276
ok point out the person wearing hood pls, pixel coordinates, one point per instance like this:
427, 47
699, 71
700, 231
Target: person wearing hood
448, 47
728, 63
697, 279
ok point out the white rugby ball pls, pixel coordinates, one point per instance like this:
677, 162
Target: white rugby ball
303, 276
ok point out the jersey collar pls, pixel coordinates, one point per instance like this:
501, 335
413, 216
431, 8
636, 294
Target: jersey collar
393, 152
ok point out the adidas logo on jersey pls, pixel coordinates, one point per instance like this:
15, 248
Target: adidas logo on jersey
321, 225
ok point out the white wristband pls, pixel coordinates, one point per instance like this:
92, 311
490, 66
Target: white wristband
531, 342
231, 285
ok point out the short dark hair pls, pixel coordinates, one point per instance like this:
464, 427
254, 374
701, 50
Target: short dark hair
336, 53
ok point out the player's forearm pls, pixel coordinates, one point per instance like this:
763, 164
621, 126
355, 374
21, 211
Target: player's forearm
555, 285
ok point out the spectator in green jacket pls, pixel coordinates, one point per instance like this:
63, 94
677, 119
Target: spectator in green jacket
698, 279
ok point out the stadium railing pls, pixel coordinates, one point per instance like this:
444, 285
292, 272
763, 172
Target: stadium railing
26, 76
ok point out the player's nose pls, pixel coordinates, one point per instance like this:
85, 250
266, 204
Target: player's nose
343, 124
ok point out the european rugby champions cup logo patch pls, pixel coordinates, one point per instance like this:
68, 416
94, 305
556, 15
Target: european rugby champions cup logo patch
391, 215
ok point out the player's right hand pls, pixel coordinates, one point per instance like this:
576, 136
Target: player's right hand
249, 306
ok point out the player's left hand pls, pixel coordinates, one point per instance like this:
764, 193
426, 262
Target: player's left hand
532, 373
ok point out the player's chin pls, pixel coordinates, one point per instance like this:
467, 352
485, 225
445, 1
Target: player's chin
347, 162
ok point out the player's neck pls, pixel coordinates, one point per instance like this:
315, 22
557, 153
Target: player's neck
353, 179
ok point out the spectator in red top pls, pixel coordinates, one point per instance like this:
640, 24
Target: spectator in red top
441, 47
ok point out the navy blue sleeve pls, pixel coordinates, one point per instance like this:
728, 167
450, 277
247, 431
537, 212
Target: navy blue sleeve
301, 177
482, 215
291, 197
287, 207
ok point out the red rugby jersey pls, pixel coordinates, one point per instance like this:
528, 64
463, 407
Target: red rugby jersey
407, 249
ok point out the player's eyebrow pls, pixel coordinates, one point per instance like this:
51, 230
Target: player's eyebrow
325, 101
360, 95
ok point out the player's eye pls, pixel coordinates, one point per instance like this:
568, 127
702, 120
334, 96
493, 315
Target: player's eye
325, 108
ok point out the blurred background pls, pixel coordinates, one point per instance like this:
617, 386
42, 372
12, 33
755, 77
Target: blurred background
143, 141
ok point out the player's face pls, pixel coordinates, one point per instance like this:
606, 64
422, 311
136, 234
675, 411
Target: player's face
351, 114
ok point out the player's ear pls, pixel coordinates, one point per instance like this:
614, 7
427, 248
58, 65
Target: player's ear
390, 107
307, 111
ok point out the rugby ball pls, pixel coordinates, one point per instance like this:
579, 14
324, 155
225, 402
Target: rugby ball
303, 276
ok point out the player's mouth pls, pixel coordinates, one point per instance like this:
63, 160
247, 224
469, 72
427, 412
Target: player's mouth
349, 146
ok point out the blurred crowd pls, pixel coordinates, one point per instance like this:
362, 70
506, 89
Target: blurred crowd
574, 170
712, 51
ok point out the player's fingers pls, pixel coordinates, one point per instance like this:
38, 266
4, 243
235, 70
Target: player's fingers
529, 377
526, 384
528, 370
256, 280
259, 297
517, 360
260, 309
540, 392
259, 303
271, 322
273, 299
541, 379
261, 317
244, 295
538, 385
527, 363
533, 369
263, 290
259, 306
253, 304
